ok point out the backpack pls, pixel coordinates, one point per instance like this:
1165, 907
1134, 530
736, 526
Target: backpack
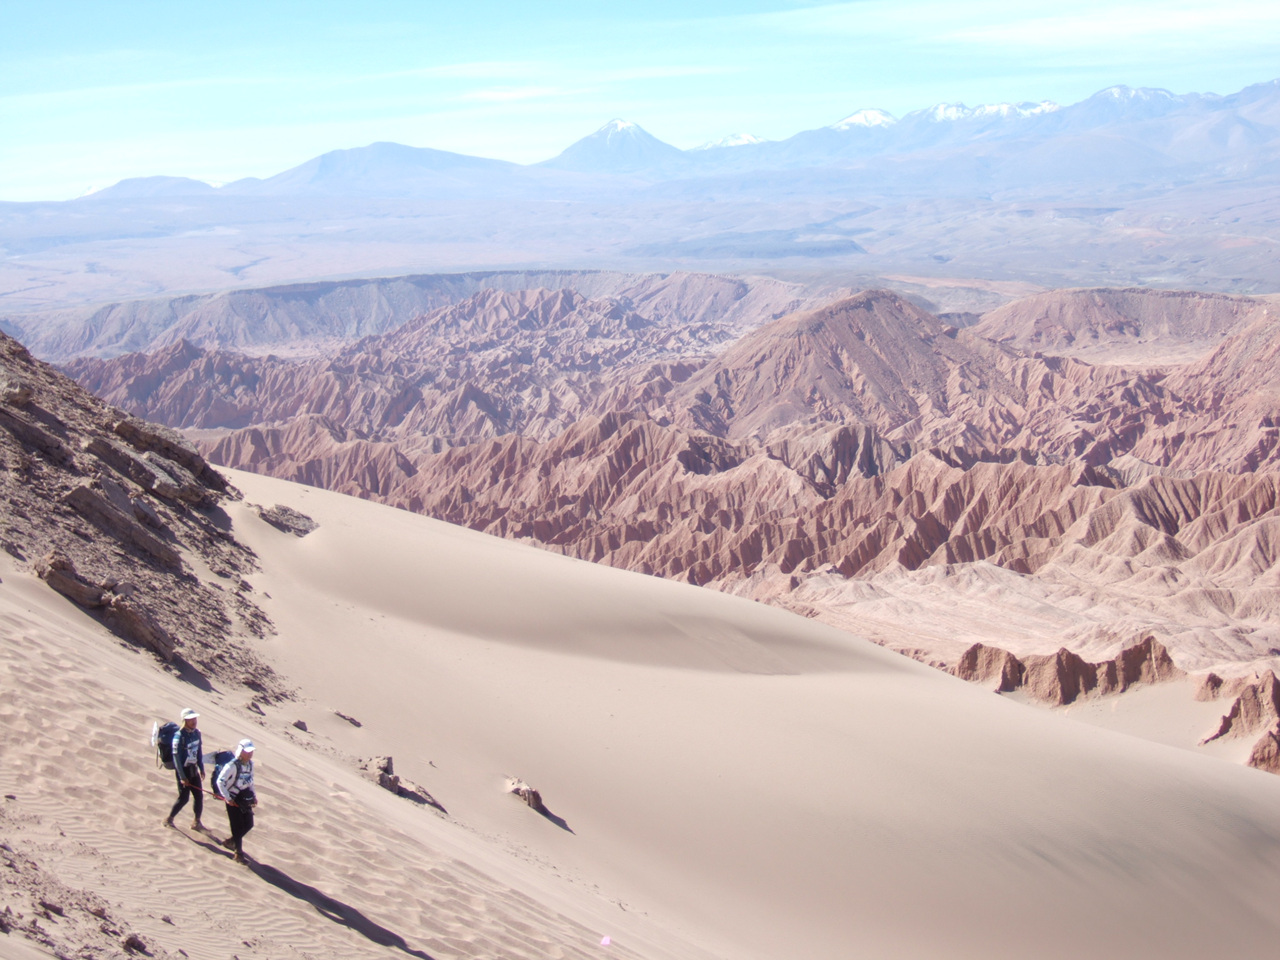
220, 761
162, 740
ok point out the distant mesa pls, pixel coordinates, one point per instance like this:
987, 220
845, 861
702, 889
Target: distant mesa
392, 170
153, 187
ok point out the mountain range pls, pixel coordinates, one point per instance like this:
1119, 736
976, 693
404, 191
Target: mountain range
1133, 132
1129, 187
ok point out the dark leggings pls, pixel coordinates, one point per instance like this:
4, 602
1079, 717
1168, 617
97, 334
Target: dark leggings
196, 795
241, 820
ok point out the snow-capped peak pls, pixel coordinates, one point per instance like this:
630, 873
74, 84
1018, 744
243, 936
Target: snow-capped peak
1013, 109
733, 140
866, 118
616, 125
951, 112
1121, 92
941, 112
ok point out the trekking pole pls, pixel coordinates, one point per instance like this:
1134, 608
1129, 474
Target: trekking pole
210, 793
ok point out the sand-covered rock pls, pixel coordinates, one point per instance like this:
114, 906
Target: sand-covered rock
381, 770
58, 570
526, 793
287, 520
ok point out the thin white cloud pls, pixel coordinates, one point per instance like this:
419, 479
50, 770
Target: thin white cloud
1014, 22
673, 72
478, 70
1125, 24
513, 94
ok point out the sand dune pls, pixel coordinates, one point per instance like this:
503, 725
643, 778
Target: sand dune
726, 779
723, 779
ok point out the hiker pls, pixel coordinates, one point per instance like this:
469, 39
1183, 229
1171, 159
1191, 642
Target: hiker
235, 785
188, 764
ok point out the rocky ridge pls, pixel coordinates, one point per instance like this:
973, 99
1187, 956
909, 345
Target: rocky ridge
807, 463
1135, 326
311, 319
122, 517
529, 362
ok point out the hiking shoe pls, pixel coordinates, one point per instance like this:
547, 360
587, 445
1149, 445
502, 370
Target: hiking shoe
168, 821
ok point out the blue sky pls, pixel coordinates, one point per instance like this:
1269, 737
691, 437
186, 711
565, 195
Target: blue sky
91, 93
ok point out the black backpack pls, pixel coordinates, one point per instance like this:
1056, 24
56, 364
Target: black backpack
164, 744
220, 760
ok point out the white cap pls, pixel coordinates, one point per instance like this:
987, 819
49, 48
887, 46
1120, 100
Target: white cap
189, 714
244, 746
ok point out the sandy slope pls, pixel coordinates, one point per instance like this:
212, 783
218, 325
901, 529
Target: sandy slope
735, 781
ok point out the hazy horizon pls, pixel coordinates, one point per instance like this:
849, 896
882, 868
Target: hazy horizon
91, 94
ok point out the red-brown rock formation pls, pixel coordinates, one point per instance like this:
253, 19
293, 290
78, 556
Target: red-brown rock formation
1064, 677
1133, 325
990, 666
1265, 754
528, 362
842, 443
1255, 706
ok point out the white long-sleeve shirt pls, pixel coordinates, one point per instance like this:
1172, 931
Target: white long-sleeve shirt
231, 784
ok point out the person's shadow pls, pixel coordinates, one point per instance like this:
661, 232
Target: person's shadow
337, 911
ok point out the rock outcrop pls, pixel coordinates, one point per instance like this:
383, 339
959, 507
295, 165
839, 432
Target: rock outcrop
381, 770
526, 793
1065, 677
118, 515
1265, 754
992, 667
59, 572
1256, 705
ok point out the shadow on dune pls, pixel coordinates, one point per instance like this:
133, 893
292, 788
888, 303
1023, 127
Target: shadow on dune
335, 910
558, 821
189, 674
423, 799
213, 847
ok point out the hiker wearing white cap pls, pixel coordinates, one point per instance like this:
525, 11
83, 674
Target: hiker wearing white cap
188, 764
235, 785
